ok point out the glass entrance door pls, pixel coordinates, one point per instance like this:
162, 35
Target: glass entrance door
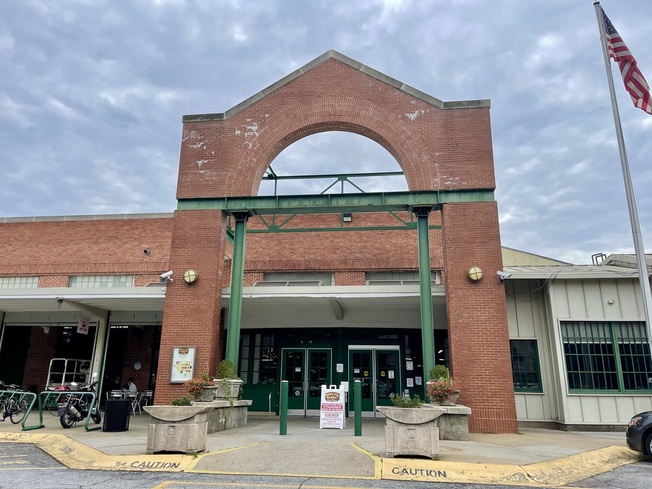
379, 370
306, 370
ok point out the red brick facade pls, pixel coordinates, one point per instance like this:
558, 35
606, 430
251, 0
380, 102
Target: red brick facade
437, 149
438, 146
55, 249
477, 324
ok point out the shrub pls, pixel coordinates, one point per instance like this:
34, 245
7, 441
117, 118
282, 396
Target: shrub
406, 402
182, 401
226, 370
439, 372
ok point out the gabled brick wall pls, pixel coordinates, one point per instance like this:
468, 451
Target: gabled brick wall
438, 146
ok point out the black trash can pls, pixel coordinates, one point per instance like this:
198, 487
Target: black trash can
116, 415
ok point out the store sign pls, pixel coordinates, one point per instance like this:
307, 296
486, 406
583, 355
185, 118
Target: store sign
83, 325
331, 413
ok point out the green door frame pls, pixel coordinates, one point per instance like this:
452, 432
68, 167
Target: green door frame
377, 393
305, 389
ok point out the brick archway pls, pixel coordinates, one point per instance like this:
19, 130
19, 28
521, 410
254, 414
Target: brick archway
439, 145
325, 114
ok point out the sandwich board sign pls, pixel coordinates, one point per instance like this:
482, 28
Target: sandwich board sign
331, 412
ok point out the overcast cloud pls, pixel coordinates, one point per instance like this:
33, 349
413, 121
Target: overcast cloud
92, 93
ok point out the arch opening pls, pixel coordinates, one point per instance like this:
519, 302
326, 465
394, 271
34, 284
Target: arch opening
331, 153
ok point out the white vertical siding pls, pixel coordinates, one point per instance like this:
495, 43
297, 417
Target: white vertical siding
572, 300
598, 300
604, 409
526, 316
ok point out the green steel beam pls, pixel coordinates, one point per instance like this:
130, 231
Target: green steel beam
237, 279
425, 289
276, 229
338, 176
336, 203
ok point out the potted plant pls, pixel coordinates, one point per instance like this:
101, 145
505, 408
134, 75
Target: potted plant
227, 381
179, 427
201, 388
442, 389
409, 429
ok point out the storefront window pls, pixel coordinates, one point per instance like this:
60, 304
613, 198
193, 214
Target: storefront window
603, 355
525, 366
101, 281
258, 359
18, 282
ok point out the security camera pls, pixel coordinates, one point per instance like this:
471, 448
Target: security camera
167, 276
503, 275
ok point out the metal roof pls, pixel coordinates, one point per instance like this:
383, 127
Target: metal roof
570, 272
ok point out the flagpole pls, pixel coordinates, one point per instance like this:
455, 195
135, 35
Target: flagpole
639, 249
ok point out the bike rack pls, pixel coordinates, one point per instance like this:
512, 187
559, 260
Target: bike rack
20, 395
42, 399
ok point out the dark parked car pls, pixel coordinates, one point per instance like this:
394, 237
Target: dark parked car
639, 433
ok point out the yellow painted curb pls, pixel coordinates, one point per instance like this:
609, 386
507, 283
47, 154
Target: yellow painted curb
553, 473
76, 455
378, 462
559, 472
574, 468
438, 471
197, 459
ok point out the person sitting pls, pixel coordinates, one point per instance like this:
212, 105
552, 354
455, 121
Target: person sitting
131, 387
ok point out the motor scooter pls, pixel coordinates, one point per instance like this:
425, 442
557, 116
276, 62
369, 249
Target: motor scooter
75, 406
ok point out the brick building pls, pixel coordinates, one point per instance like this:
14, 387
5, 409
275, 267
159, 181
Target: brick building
313, 289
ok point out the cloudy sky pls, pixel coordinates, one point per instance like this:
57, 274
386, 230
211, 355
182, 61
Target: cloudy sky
92, 94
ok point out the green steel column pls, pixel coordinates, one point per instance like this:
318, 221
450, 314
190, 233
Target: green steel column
427, 324
283, 408
237, 276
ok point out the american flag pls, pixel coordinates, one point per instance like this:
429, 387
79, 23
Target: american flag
634, 80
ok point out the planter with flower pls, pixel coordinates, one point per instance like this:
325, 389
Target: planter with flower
228, 384
201, 388
409, 428
442, 389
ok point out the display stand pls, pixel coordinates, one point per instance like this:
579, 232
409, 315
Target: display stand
64, 371
331, 412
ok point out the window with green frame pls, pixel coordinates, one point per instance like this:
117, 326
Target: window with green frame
607, 356
258, 358
525, 366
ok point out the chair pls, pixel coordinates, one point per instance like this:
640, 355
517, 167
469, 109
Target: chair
115, 394
136, 399
147, 398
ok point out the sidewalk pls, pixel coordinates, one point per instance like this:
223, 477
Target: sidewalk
532, 456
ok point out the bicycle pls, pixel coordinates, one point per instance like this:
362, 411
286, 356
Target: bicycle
13, 402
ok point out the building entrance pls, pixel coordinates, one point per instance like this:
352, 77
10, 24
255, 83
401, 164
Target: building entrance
379, 370
306, 370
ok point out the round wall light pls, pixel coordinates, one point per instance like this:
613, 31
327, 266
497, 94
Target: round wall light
475, 273
190, 276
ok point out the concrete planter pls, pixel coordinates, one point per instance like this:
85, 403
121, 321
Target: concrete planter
454, 423
227, 415
411, 431
227, 388
208, 394
177, 428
